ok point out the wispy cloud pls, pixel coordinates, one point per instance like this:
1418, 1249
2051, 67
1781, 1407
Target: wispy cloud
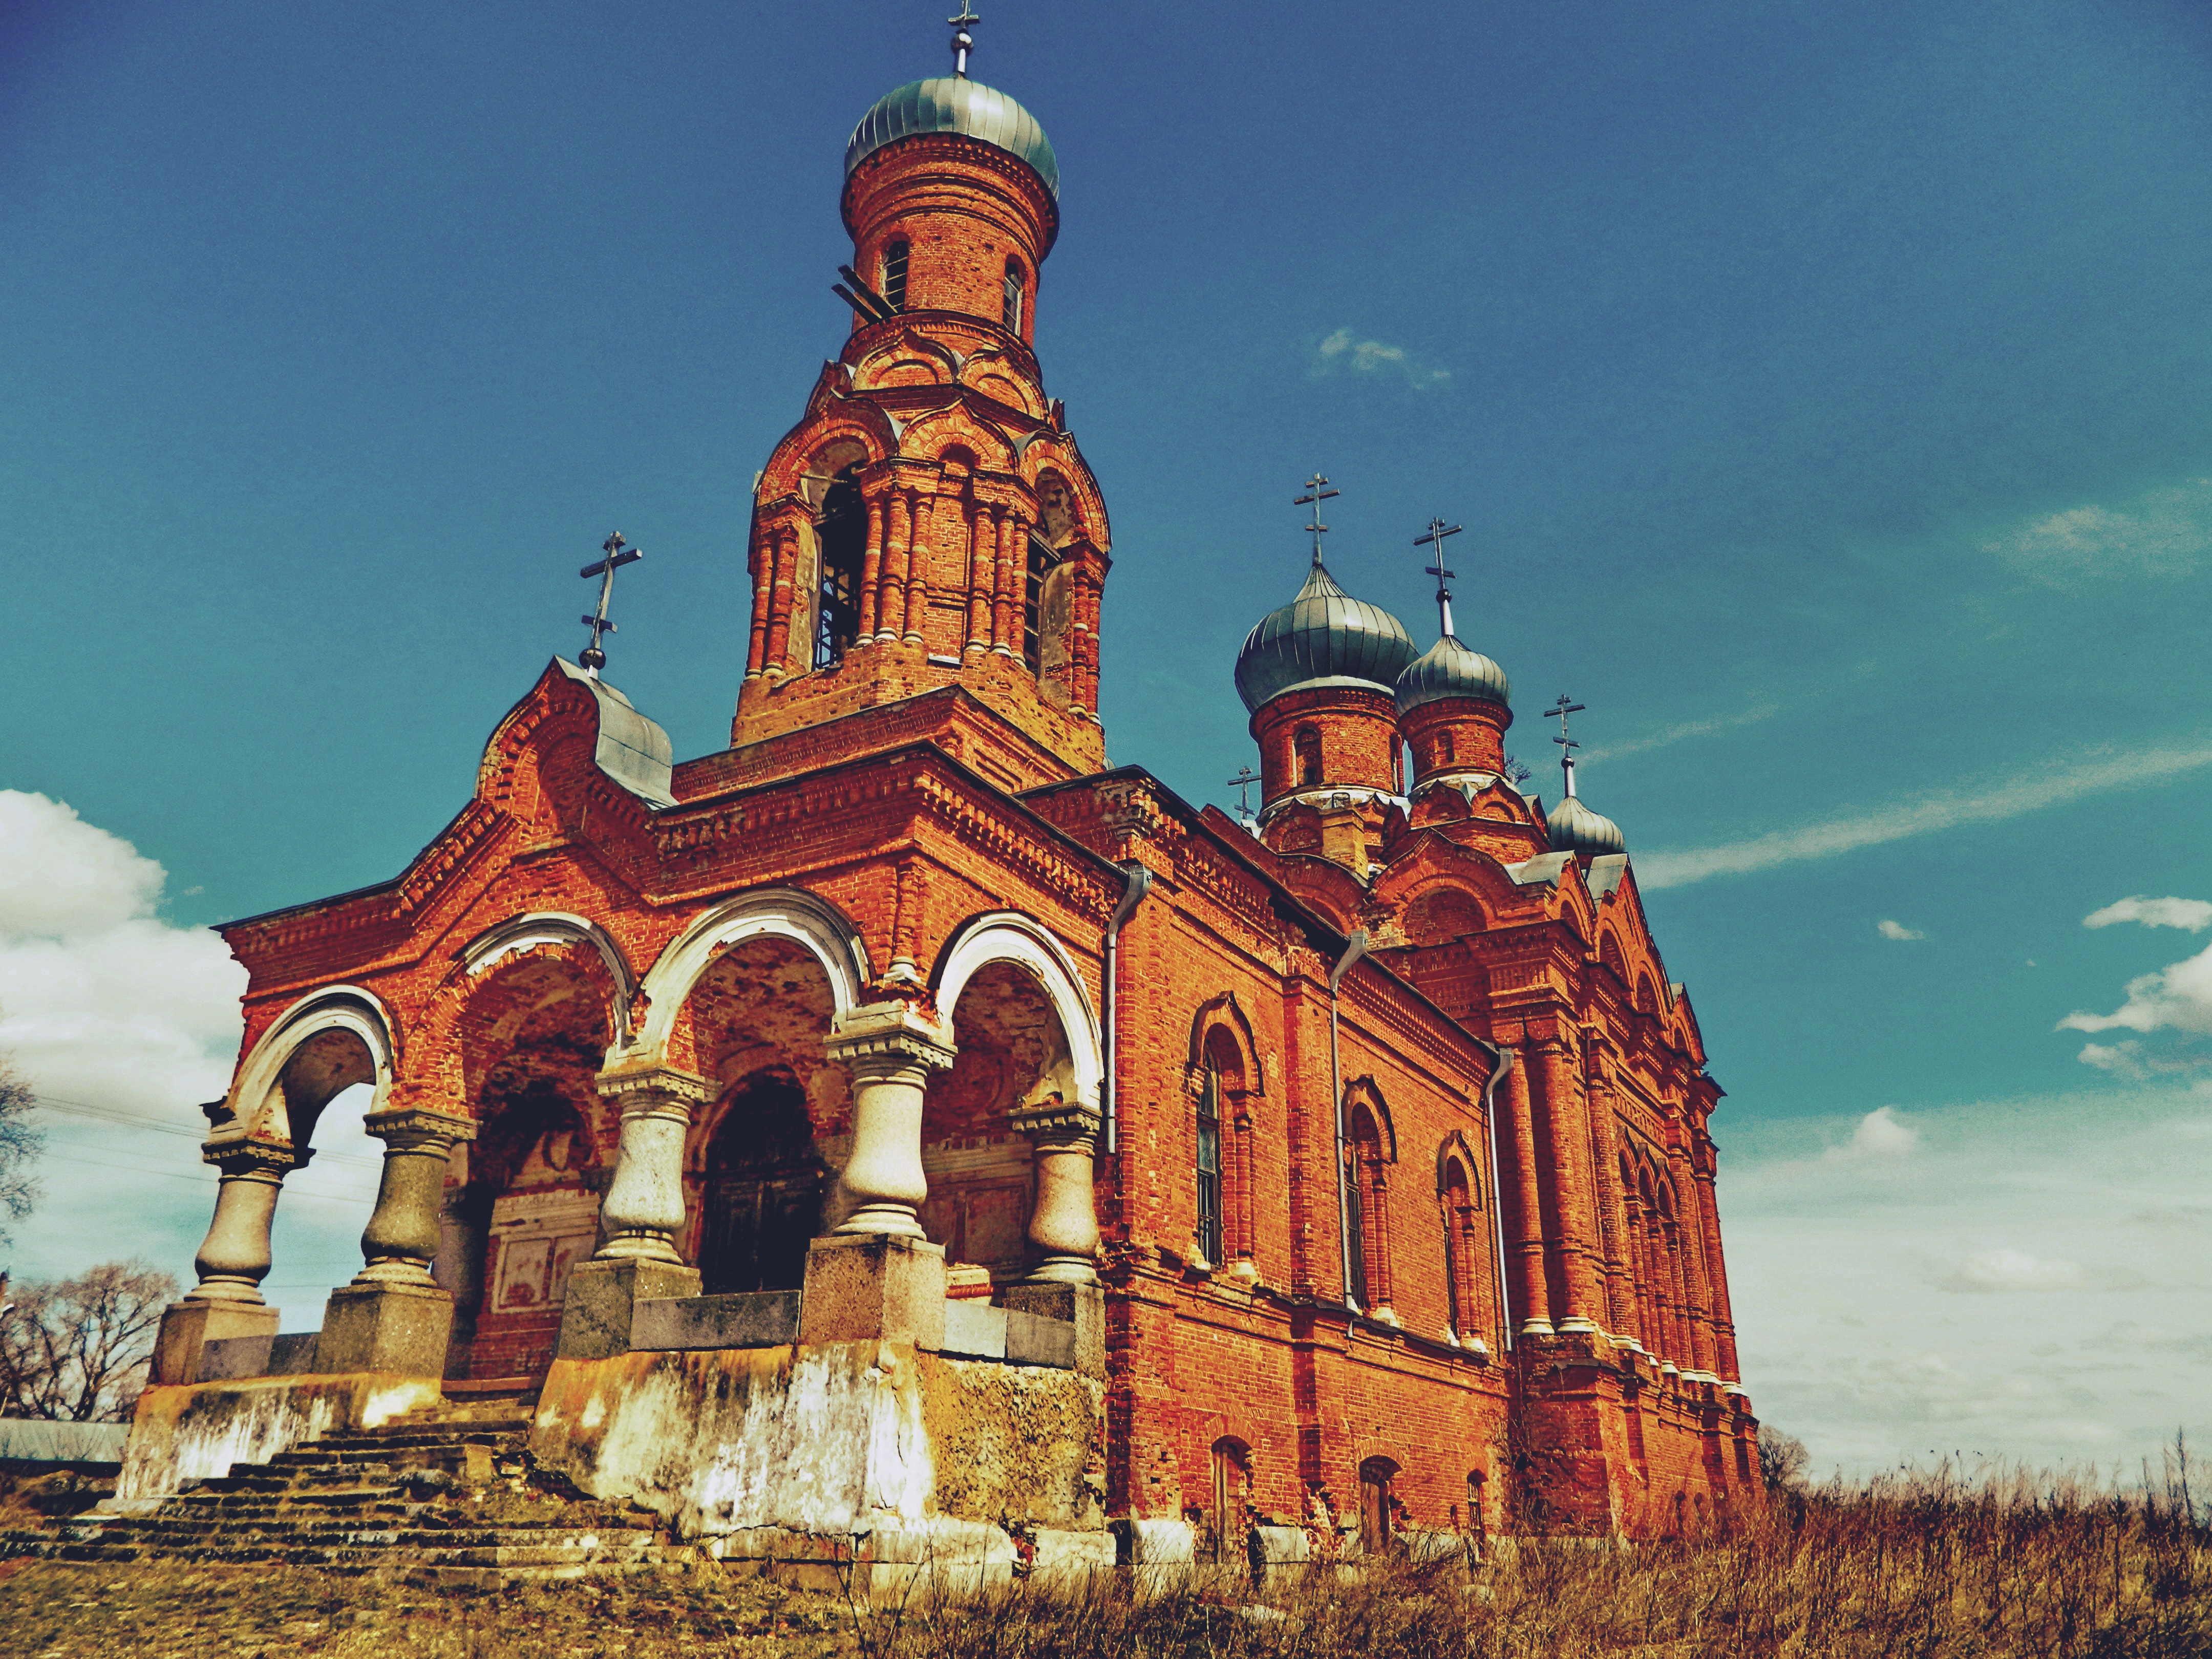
1666, 735
1988, 1271
1345, 348
2194, 915
1889, 929
1879, 1136
2163, 533
2003, 798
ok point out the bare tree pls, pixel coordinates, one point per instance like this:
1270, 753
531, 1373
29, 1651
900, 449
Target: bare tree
20, 1142
76, 1349
1782, 1459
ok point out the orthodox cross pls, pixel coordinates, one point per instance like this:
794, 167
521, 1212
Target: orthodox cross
1559, 711
1245, 778
618, 553
1438, 530
1315, 495
962, 42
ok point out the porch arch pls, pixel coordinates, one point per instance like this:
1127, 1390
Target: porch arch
264, 1102
781, 912
1010, 937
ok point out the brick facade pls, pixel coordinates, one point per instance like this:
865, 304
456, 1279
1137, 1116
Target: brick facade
1496, 1118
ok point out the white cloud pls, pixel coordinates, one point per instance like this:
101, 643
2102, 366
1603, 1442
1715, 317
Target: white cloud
2179, 996
2163, 533
2194, 915
1985, 1271
1881, 1134
1368, 356
1889, 929
2003, 798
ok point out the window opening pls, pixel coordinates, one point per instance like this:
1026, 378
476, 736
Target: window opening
1209, 1164
1305, 744
1356, 1291
895, 261
842, 533
1231, 1480
1375, 1504
1013, 310
1041, 563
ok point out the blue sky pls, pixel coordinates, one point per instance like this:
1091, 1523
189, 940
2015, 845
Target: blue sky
1823, 389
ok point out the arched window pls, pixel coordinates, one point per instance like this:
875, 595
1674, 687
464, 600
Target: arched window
1305, 745
1367, 1199
895, 260
1478, 1524
1017, 288
1232, 1491
1377, 1504
1209, 1163
1462, 1248
1041, 563
842, 533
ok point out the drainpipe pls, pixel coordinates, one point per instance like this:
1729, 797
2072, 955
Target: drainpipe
1354, 948
1497, 1206
1140, 883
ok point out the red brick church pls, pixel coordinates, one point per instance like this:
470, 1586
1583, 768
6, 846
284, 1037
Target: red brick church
1364, 1149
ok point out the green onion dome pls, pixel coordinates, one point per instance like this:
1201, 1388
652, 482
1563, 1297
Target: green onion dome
1575, 829
953, 103
1452, 669
1323, 637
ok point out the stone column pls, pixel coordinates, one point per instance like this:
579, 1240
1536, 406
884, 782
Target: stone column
871, 572
877, 1276
784, 558
1013, 561
394, 1317
983, 568
232, 1261
898, 550
1064, 1224
1528, 1264
641, 1216
919, 547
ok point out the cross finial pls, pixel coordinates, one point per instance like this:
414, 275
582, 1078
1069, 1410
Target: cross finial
1316, 493
618, 553
1559, 711
1245, 778
962, 42
1438, 530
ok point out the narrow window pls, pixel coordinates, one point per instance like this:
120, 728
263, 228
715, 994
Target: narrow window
1443, 748
1306, 744
842, 533
1377, 1502
1013, 312
1041, 564
895, 257
1356, 1229
1233, 1481
1209, 1164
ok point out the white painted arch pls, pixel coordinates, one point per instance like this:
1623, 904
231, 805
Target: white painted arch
256, 1099
503, 940
789, 913
1010, 937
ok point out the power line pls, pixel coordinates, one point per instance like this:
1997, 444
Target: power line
134, 1120
198, 1179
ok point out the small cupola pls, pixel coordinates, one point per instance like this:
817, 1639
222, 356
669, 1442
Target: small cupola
1454, 707
1572, 826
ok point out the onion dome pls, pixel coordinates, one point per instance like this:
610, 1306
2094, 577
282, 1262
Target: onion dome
1323, 637
953, 103
1452, 669
1575, 829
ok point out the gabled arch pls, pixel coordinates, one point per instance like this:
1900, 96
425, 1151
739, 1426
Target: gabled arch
1225, 1014
1008, 936
790, 913
1362, 1093
1455, 1149
259, 1106
555, 927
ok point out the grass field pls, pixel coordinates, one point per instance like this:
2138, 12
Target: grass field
1924, 1565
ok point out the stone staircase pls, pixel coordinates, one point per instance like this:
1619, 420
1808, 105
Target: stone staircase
446, 1497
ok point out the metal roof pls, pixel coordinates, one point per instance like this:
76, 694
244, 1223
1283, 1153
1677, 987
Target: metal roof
1575, 829
1322, 637
953, 103
1450, 668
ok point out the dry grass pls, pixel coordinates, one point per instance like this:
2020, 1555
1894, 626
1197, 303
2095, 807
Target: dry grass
1924, 1565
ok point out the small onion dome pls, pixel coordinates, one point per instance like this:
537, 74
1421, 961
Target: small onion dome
953, 103
1322, 637
1576, 828
1452, 669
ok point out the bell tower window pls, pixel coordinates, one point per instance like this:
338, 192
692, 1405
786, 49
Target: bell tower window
1041, 563
1016, 291
1209, 1164
842, 533
895, 258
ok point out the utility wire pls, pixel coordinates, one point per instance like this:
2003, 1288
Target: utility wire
138, 1120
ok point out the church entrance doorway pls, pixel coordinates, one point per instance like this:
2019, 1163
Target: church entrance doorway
763, 1189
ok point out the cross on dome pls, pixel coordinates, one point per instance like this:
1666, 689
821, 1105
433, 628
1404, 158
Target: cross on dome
1438, 530
1559, 711
962, 42
1315, 495
618, 553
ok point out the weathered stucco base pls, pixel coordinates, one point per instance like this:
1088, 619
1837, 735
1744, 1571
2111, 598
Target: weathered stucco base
196, 1431
825, 1458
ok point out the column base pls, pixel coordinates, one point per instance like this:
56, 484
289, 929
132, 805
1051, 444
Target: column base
402, 1330
864, 1287
1083, 1305
595, 1315
188, 1326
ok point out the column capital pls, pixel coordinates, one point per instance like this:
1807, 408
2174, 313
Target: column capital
1056, 1121
885, 1037
269, 1159
411, 1128
652, 1088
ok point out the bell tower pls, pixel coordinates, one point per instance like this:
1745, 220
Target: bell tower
929, 524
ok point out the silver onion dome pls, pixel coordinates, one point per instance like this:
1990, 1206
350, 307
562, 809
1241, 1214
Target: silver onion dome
953, 103
1322, 637
1575, 829
1450, 668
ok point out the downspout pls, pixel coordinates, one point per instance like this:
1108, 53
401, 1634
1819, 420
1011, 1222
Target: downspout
1354, 948
1132, 894
1505, 1057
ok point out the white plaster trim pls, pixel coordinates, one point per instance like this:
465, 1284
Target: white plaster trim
774, 912
1009, 936
517, 933
255, 1102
